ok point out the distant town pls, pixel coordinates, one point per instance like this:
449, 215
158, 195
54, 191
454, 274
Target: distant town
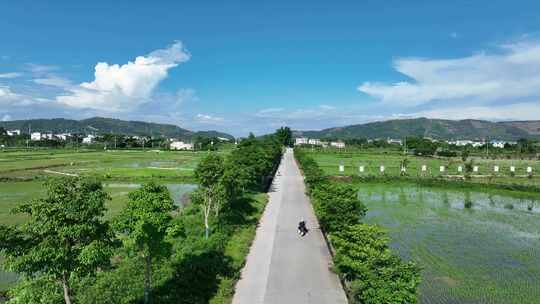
111, 140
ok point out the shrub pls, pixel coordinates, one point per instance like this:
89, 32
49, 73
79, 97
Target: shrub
337, 206
364, 259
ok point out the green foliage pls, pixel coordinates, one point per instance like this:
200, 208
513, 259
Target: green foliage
337, 206
144, 223
284, 136
378, 277
65, 236
42, 290
209, 170
145, 219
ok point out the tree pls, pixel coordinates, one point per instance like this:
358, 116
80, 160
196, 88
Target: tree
376, 276
65, 236
144, 222
284, 136
337, 206
211, 195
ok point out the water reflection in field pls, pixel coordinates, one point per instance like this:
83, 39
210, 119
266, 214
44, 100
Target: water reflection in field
474, 246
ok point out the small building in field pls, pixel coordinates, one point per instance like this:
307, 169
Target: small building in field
13, 132
315, 142
337, 144
498, 144
391, 141
89, 139
180, 145
300, 141
35, 136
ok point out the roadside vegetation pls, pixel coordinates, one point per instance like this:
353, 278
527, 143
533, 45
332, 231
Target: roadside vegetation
66, 250
370, 271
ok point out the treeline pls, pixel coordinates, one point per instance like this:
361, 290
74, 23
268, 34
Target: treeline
68, 251
362, 257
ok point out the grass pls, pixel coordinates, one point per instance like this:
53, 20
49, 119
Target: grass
329, 160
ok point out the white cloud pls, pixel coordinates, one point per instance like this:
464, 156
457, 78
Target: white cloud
54, 81
6, 117
41, 68
518, 111
10, 75
123, 87
208, 119
511, 75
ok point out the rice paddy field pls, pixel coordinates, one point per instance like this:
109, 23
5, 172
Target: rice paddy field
22, 174
330, 160
474, 246
113, 164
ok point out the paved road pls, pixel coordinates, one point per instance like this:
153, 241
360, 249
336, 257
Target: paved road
282, 267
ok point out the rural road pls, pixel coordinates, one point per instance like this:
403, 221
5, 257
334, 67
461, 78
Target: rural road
282, 267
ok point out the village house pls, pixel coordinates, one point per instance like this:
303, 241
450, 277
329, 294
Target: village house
89, 139
300, 141
315, 142
35, 136
13, 132
391, 141
180, 145
337, 144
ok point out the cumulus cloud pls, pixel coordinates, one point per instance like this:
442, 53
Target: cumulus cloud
511, 74
6, 117
123, 87
10, 75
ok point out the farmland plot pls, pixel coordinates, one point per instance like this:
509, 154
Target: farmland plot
474, 247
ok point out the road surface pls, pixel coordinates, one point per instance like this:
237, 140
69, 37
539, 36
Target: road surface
282, 267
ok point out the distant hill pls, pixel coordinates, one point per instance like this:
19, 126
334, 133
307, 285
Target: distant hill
101, 125
434, 128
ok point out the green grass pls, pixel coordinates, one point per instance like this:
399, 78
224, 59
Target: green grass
329, 160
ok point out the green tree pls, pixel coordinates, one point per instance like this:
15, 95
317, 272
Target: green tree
337, 206
65, 236
211, 194
144, 223
284, 136
376, 276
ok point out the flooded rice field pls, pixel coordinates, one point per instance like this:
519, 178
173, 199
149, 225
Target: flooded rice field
473, 246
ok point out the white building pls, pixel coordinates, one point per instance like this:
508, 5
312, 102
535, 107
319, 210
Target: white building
180, 145
223, 139
88, 139
337, 144
461, 143
63, 136
315, 142
49, 136
13, 132
394, 141
300, 141
497, 144
35, 136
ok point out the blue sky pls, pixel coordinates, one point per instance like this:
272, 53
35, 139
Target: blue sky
243, 66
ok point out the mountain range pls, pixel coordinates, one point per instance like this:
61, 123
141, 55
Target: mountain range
433, 128
100, 125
